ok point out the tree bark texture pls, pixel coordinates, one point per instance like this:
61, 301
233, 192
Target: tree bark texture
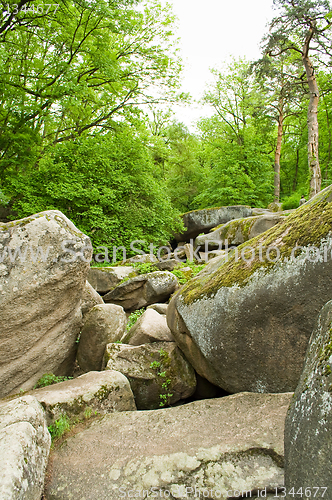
278, 152
313, 159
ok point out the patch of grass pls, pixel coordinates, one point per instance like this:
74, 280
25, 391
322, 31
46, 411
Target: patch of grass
50, 379
144, 268
184, 276
59, 427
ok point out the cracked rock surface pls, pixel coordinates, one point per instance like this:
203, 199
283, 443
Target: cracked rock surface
226, 444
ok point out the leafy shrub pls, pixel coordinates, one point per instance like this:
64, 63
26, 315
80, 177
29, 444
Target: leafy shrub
144, 268
50, 379
292, 201
184, 276
105, 185
134, 317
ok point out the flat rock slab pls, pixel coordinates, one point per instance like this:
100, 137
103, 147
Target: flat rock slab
100, 392
222, 444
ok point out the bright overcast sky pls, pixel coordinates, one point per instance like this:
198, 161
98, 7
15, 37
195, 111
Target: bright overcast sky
211, 31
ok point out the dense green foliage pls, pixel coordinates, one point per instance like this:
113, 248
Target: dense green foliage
104, 184
84, 127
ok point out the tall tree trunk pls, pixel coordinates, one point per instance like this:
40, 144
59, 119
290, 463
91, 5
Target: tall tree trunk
278, 151
330, 139
313, 159
296, 169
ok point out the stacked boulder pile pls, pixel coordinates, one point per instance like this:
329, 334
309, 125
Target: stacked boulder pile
253, 326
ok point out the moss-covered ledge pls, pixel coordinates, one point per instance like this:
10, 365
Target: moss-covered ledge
307, 226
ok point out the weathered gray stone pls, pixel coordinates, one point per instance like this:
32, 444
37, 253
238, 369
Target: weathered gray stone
201, 221
160, 308
246, 326
103, 324
148, 367
40, 312
150, 327
24, 448
261, 211
147, 258
238, 231
103, 279
143, 290
90, 298
94, 392
168, 265
227, 444
308, 428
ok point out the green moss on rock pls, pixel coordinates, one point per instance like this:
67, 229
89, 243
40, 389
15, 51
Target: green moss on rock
306, 226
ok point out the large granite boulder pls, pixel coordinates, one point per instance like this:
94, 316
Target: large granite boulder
237, 231
201, 221
158, 373
24, 448
90, 394
150, 327
143, 290
40, 297
246, 325
308, 428
103, 324
90, 299
226, 445
103, 279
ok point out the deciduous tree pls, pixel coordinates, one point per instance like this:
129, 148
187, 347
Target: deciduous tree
304, 26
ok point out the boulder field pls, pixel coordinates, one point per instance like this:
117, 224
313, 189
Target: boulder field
242, 325
246, 325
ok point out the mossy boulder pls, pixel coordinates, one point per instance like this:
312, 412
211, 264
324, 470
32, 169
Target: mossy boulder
201, 221
158, 373
94, 393
308, 436
246, 325
237, 231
